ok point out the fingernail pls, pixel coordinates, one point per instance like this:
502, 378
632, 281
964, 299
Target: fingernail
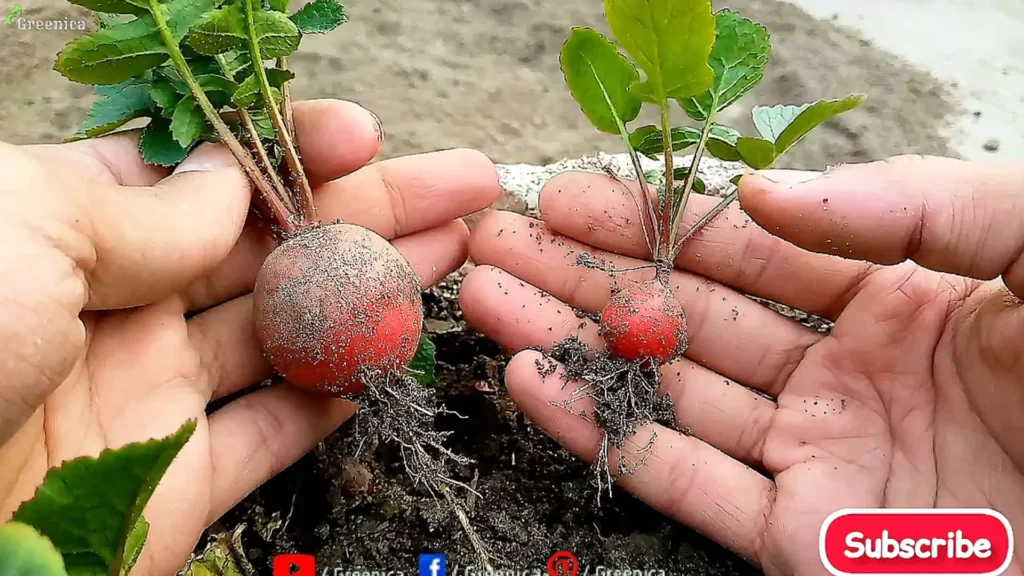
207, 157
378, 127
790, 177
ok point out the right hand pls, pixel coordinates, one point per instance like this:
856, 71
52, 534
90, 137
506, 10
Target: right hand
915, 398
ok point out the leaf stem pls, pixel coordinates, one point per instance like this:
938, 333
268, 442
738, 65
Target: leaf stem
304, 193
271, 202
667, 232
257, 145
691, 177
286, 100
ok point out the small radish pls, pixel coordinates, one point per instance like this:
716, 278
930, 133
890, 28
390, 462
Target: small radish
335, 300
645, 321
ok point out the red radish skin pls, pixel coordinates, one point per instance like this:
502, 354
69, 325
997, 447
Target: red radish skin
645, 321
334, 300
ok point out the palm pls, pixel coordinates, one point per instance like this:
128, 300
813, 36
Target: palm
892, 409
165, 274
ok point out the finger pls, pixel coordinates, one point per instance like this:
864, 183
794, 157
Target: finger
681, 476
724, 414
729, 333
114, 158
147, 243
260, 434
947, 215
335, 138
393, 198
225, 335
732, 249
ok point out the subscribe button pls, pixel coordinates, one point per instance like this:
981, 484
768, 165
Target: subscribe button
935, 541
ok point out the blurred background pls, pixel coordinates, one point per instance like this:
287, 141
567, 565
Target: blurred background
942, 76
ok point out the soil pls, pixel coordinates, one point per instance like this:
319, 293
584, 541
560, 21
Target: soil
484, 74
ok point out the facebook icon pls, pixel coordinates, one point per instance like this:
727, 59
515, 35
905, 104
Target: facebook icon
432, 565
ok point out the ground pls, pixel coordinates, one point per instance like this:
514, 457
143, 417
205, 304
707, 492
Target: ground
484, 74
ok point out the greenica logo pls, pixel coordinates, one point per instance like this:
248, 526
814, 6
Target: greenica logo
17, 18
14, 12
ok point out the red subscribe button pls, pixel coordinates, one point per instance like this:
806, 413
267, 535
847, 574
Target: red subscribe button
920, 542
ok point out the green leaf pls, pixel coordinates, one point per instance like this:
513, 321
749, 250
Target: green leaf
113, 55
738, 58
598, 78
648, 140
810, 118
158, 145
279, 5
134, 544
670, 41
115, 105
756, 153
770, 121
277, 77
186, 122
680, 174
422, 364
89, 507
319, 17
114, 6
277, 35
26, 552
264, 126
248, 92
165, 96
722, 143
219, 31
124, 51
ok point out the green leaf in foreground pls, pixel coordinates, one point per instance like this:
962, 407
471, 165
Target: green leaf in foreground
319, 17
115, 105
113, 6
722, 143
670, 41
422, 364
787, 125
648, 140
598, 78
124, 51
26, 552
113, 55
277, 35
89, 507
219, 31
756, 153
158, 146
738, 58
186, 122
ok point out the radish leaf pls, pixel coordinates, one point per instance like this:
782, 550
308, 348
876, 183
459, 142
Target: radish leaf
670, 40
114, 6
89, 508
722, 143
598, 78
756, 153
738, 59
123, 51
158, 145
785, 128
186, 122
278, 36
26, 552
164, 95
648, 140
220, 31
423, 363
115, 105
319, 17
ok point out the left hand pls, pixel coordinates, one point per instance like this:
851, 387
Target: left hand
125, 306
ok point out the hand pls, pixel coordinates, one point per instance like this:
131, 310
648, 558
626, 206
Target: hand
124, 308
914, 399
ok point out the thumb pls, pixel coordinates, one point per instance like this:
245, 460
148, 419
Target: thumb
947, 215
150, 242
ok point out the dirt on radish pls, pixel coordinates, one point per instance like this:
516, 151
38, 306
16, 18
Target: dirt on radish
335, 301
